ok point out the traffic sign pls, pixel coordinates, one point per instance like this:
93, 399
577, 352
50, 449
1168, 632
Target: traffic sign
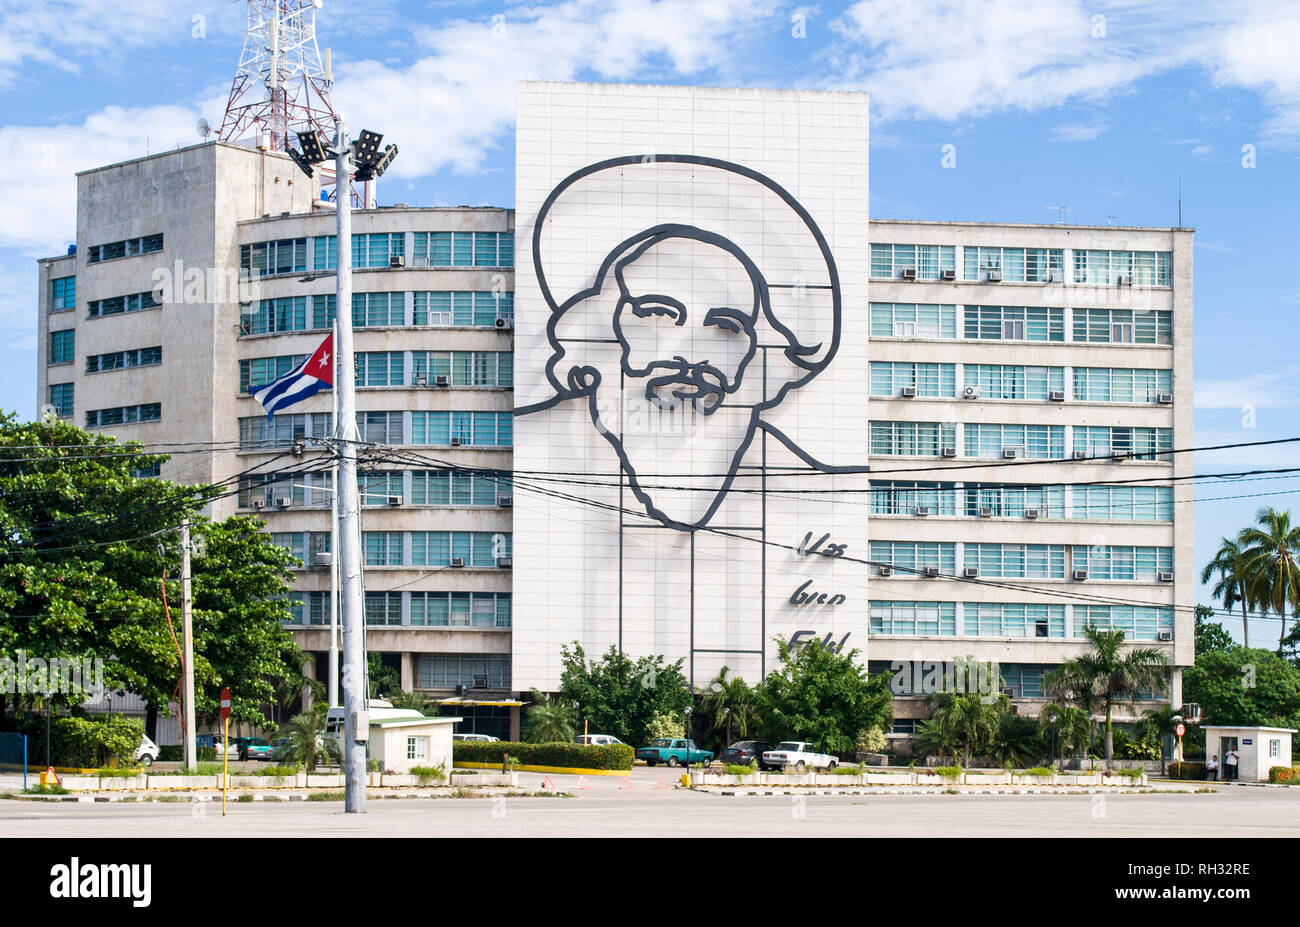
1180, 730
225, 704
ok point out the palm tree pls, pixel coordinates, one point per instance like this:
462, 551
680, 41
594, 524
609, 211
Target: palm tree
1271, 572
1108, 676
1161, 723
1071, 728
1229, 565
969, 719
415, 700
307, 740
729, 703
549, 719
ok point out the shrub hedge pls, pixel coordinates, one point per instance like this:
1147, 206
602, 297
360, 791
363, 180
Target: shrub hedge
573, 756
1186, 770
1281, 774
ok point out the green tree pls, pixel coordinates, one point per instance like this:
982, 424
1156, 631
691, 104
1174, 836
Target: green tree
822, 696
1210, 634
1108, 676
385, 679
1069, 726
1246, 687
1018, 740
1159, 724
973, 722
415, 701
549, 719
1272, 575
621, 696
308, 744
728, 704
1228, 569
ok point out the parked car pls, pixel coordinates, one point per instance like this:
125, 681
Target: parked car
597, 740
252, 748
481, 737
215, 742
744, 752
673, 751
797, 754
147, 752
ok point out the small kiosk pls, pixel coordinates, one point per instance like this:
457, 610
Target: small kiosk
1258, 749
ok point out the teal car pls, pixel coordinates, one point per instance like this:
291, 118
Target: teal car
673, 751
253, 748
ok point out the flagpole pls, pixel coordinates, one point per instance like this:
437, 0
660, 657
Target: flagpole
333, 685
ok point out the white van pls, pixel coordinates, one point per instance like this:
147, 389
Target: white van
597, 740
378, 710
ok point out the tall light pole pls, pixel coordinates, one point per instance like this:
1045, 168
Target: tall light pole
363, 159
187, 638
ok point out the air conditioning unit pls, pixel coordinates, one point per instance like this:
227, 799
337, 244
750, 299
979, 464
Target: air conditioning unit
505, 324
1080, 455
971, 572
394, 500
480, 681
986, 513
259, 503
1165, 399
885, 570
1057, 395
322, 558
922, 510
994, 275
1164, 635
1055, 276
1031, 513
970, 392
456, 562
1010, 453
908, 273
455, 442
948, 452
505, 501
441, 380
1124, 280
421, 380
397, 260
932, 571
1165, 576
1080, 575
908, 392
284, 502
505, 563
948, 275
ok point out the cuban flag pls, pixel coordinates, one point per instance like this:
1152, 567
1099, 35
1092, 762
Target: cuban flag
307, 379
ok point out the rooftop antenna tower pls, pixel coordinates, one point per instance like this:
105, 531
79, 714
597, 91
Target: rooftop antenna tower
282, 85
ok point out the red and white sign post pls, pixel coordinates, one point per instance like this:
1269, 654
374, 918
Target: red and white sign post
225, 747
1179, 729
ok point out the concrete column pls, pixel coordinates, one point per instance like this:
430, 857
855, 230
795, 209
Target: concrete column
1176, 687
408, 671
308, 670
514, 723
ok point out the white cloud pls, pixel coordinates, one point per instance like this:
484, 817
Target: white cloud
1276, 389
1078, 131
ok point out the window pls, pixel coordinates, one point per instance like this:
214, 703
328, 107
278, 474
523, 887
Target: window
1274, 747
1023, 680
1117, 441
455, 487
1123, 503
63, 293
1121, 326
267, 258
1011, 501
135, 302
120, 360
1139, 268
1005, 381
889, 261
1122, 563
472, 548
460, 609
287, 314
63, 346
1009, 619
1035, 442
258, 433
463, 249
463, 308
383, 608
904, 497
262, 370
912, 439
378, 488
149, 472
463, 368
913, 556
1033, 265
60, 397
480, 429
919, 618
1122, 384
371, 310
383, 548
417, 748
448, 670
374, 250
1141, 622
124, 415
1017, 561
380, 427
294, 542
381, 368
933, 381
130, 247
325, 253
297, 488
1014, 323
913, 320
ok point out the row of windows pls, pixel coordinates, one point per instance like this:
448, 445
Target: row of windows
130, 247
378, 309
388, 368
1036, 442
1040, 265
481, 549
424, 609
463, 249
377, 249
1095, 503
116, 305
1027, 561
979, 619
63, 293
1139, 268
122, 415
890, 260
63, 346
1122, 384
427, 487
265, 258
433, 429
448, 670
1019, 680
1021, 323
1032, 265
990, 440
1013, 381
120, 360
1115, 440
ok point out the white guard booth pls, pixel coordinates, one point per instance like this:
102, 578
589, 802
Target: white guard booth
401, 744
1258, 749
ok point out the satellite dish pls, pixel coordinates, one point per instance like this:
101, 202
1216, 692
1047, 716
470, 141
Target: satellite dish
49, 413
203, 127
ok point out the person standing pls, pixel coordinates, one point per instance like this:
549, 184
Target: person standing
1212, 768
1230, 766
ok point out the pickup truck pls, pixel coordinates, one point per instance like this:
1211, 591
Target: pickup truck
674, 751
796, 754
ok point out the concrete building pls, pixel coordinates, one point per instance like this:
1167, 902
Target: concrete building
993, 404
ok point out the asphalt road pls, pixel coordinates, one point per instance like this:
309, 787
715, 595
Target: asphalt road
650, 807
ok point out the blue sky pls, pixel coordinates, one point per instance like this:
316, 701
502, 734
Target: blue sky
1102, 107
